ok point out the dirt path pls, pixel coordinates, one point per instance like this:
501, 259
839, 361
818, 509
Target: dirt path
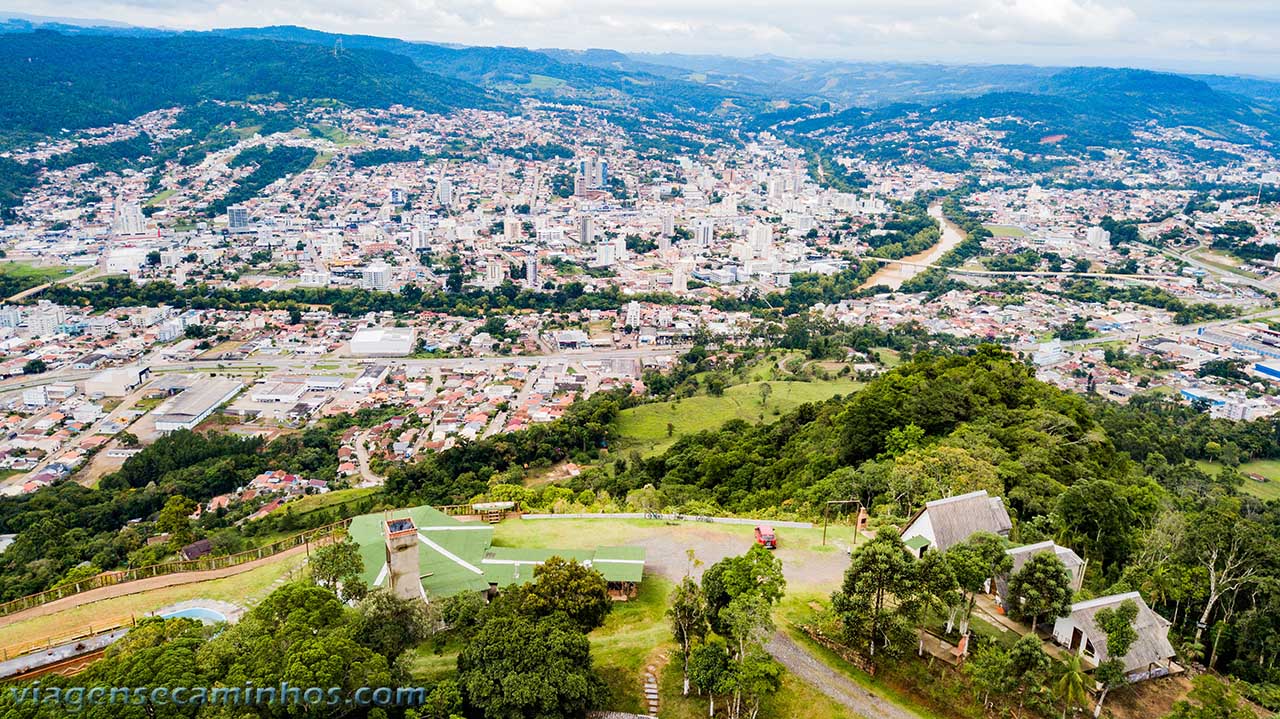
144, 585
840, 688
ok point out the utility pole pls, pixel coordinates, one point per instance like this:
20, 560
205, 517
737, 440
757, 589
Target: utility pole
827, 507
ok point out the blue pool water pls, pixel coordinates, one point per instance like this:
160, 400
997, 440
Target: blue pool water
208, 616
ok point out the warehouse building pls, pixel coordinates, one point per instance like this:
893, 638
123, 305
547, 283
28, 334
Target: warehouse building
195, 404
383, 342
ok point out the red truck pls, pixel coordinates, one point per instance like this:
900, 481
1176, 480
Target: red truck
765, 537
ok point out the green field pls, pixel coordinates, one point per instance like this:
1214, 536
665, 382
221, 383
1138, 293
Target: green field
645, 427
314, 502
33, 275
543, 82
160, 197
1269, 468
1006, 231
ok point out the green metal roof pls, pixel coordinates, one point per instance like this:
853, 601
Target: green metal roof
917, 542
456, 556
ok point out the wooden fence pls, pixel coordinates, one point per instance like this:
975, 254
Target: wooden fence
202, 564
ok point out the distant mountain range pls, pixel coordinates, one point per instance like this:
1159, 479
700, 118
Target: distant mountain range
88, 74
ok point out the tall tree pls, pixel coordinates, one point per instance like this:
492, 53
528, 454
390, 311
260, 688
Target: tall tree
688, 617
518, 666
880, 601
1070, 687
978, 559
1227, 547
564, 585
337, 567
1040, 590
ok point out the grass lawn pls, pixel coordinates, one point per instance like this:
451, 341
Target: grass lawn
160, 197
1006, 231
33, 275
244, 589
543, 82
1269, 468
314, 502
645, 427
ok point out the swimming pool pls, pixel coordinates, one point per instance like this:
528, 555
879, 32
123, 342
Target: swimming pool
204, 614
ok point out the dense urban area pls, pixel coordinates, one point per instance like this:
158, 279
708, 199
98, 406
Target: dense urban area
553, 384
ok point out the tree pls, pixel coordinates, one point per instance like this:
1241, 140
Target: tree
564, 585
337, 567
879, 602
688, 620
1070, 688
766, 389
175, 520
1029, 667
709, 671
301, 634
1040, 590
519, 666
35, 366
127, 439
758, 571
991, 671
390, 625
1227, 547
1117, 623
1210, 698
978, 559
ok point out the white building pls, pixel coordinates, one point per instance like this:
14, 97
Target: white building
238, 219
383, 341
376, 276
128, 219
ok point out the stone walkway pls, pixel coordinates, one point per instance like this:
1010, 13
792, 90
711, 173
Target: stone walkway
651, 691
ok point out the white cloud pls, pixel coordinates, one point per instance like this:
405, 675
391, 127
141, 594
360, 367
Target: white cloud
1225, 34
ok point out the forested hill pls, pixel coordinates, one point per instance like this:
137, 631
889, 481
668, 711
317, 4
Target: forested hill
1082, 107
54, 82
531, 72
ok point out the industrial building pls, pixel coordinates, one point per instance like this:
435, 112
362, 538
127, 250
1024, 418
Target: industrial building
195, 404
383, 342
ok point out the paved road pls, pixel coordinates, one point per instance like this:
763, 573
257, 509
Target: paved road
834, 684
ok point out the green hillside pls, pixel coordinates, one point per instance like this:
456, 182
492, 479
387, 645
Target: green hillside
72, 82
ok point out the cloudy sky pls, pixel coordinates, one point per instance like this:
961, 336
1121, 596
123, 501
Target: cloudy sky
1196, 35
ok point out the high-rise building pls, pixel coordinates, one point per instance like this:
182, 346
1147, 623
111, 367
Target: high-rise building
593, 174
511, 230
760, 236
419, 239
704, 231
586, 230
129, 219
1097, 238
680, 277
664, 243
238, 219
444, 192
376, 276
531, 270
494, 273
668, 224
397, 196
606, 253
633, 318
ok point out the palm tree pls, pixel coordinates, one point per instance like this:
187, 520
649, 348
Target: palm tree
1070, 687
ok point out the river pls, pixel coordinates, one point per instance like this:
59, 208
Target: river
892, 275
